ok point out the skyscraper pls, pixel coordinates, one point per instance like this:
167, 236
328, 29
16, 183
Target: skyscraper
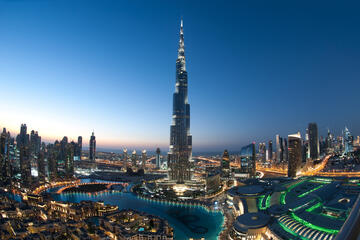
279, 149
348, 141
248, 160
270, 150
295, 150
133, 159
158, 158
92, 148
125, 158
180, 137
41, 166
143, 159
314, 146
225, 164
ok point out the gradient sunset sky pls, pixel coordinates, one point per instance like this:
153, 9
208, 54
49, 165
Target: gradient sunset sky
256, 69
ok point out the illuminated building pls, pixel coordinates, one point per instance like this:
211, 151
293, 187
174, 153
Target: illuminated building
314, 146
41, 167
262, 151
295, 158
279, 149
285, 150
225, 164
143, 159
35, 142
5, 164
158, 158
348, 141
133, 158
23, 138
78, 149
69, 160
92, 148
125, 158
248, 160
180, 138
25, 166
270, 151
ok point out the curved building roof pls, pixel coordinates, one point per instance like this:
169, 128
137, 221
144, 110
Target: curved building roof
251, 221
246, 191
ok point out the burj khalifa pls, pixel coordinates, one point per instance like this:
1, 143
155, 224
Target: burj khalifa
180, 151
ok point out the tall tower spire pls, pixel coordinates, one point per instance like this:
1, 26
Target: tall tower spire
180, 138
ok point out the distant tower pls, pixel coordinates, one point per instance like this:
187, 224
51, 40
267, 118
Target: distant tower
180, 138
133, 158
158, 158
41, 166
314, 141
225, 164
348, 141
295, 158
279, 148
143, 159
248, 160
270, 150
125, 158
285, 150
79, 147
262, 151
92, 149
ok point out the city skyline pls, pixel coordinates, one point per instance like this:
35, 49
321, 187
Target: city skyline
77, 90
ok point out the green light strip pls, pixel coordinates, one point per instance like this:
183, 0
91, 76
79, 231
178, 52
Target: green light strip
314, 189
291, 231
310, 225
312, 208
267, 203
261, 198
282, 198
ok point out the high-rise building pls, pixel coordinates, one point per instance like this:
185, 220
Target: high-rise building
5, 161
143, 159
35, 142
314, 146
225, 164
25, 166
285, 150
248, 160
78, 148
41, 166
295, 158
92, 148
348, 141
23, 138
158, 163
270, 151
279, 149
133, 159
180, 137
125, 158
262, 151
69, 160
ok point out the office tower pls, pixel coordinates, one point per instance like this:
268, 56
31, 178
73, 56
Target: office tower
143, 159
35, 142
285, 150
295, 158
69, 160
180, 137
125, 158
79, 148
314, 146
225, 164
25, 167
279, 149
248, 160
52, 156
348, 141
133, 159
41, 166
23, 138
5, 164
158, 158
262, 151
270, 151
92, 148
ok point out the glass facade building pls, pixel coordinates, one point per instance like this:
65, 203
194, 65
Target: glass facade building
248, 160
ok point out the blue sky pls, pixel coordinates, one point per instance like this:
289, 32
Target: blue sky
256, 68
